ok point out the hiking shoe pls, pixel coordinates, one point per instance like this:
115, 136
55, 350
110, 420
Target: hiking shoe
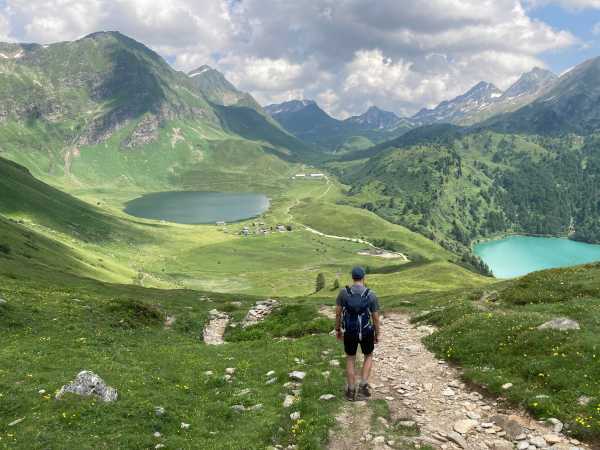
350, 394
364, 391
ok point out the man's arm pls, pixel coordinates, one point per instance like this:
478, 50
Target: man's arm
338, 321
376, 325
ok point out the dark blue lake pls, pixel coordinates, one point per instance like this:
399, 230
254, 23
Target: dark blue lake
198, 207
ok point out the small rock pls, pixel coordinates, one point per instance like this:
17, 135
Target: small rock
334, 363
270, 373
230, 370
552, 438
42, 391
159, 411
584, 400
501, 445
327, 397
238, 408
464, 426
16, 422
288, 401
473, 415
326, 374
487, 425
208, 373
185, 426
507, 386
407, 423
557, 425
523, 445
272, 381
295, 415
511, 427
297, 375
256, 407
560, 324
157, 446
379, 440
86, 384
157, 434
457, 439
448, 392
537, 441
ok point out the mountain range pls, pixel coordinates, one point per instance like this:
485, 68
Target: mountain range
308, 122
311, 124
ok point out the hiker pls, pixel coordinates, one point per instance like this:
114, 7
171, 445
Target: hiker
357, 322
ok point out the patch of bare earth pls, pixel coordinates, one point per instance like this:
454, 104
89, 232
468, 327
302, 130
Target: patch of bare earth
428, 396
215, 328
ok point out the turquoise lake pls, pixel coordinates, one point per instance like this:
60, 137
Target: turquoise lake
198, 207
519, 255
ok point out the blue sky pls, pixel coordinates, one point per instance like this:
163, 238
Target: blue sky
581, 24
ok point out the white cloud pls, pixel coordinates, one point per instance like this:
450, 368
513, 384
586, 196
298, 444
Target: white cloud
397, 54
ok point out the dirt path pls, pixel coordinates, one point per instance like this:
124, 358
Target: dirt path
430, 406
360, 241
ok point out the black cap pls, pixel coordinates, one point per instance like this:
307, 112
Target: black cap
358, 273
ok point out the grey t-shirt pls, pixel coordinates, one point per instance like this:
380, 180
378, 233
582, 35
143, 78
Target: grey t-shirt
358, 289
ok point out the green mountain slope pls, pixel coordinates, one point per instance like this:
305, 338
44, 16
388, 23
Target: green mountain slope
464, 187
105, 109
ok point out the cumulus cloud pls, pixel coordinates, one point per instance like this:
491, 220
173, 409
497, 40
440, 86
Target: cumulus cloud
398, 54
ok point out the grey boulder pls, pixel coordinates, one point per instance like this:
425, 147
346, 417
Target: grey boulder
560, 324
89, 384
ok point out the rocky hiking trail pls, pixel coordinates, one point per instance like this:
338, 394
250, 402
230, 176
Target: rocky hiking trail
428, 406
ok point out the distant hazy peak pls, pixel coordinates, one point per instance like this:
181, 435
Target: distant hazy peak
290, 106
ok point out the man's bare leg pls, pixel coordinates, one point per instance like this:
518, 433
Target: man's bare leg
366, 369
351, 371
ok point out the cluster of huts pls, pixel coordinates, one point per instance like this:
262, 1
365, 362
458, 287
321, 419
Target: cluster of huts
261, 229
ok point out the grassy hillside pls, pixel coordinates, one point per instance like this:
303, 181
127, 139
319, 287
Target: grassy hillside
464, 187
118, 332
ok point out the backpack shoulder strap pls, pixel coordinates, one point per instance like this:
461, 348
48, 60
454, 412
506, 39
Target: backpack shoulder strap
349, 290
366, 293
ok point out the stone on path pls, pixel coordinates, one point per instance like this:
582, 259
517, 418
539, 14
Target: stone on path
457, 439
552, 438
327, 397
511, 427
215, 328
501, 445
560, 324
537, 441
464, 426
88, 384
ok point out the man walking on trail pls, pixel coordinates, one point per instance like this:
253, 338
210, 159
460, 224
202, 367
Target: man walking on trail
357, 323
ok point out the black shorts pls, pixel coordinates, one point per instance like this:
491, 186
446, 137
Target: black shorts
367, 345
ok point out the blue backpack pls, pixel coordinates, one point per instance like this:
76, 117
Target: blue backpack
356, 314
